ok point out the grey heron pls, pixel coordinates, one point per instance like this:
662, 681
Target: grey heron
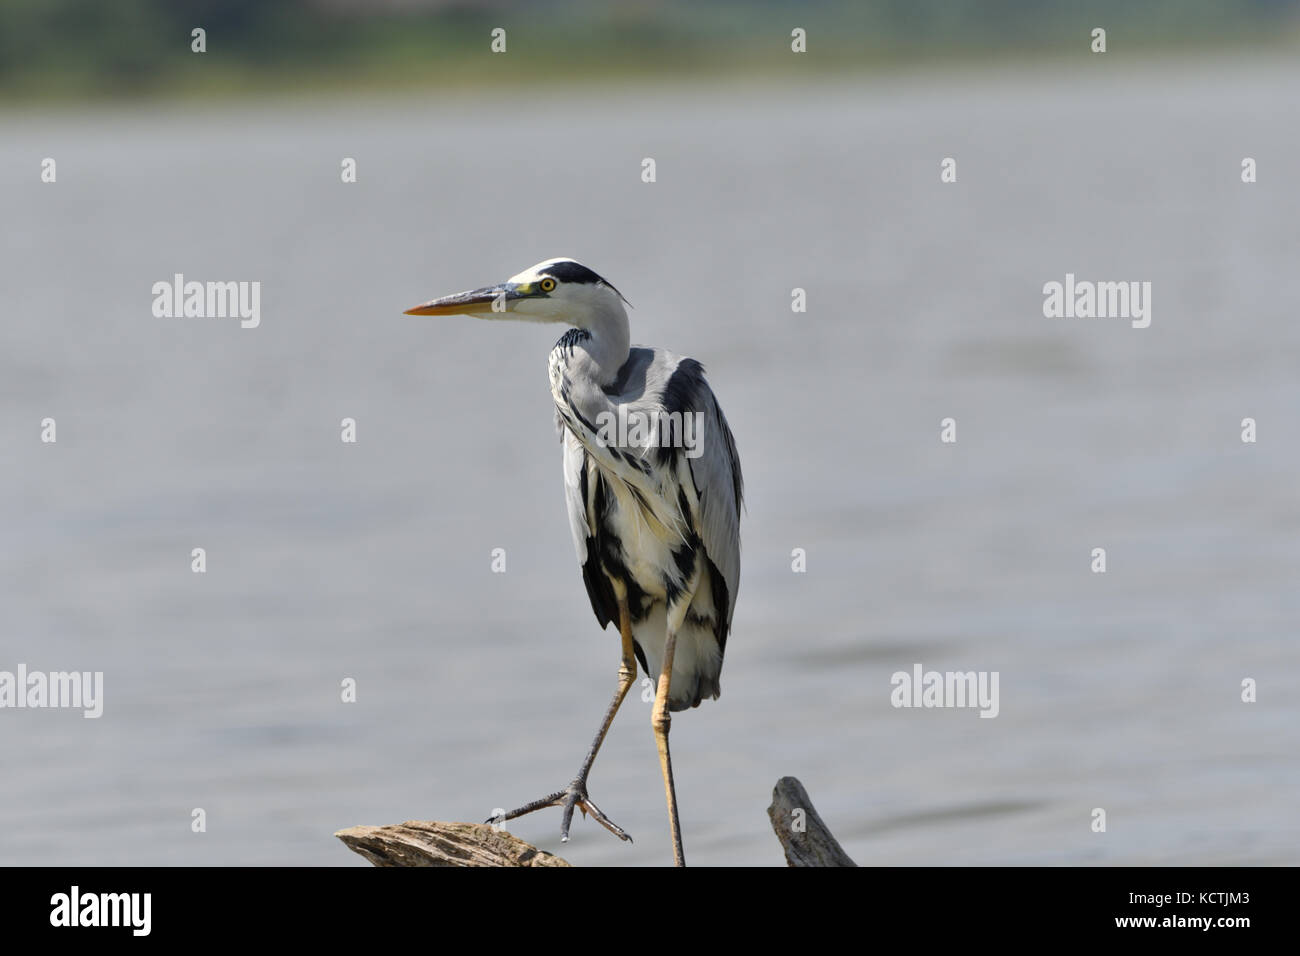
655, 515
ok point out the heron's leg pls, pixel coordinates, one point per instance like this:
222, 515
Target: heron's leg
575, 794
626, 678
660, 719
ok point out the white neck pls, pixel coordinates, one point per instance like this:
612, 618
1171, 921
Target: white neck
604, 353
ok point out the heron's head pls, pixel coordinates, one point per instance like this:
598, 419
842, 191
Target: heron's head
557, 290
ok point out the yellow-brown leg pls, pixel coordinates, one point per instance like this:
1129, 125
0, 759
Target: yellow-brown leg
660, 719
661, 722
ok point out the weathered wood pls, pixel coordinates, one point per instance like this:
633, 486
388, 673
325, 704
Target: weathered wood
804, 837
430, 843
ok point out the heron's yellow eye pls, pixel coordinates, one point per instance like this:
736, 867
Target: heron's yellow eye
547, 284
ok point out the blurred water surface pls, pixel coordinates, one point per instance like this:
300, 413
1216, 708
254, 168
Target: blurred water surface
479, 690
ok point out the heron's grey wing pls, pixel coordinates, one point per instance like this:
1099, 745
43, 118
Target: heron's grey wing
718, 482
579, 497
720, 486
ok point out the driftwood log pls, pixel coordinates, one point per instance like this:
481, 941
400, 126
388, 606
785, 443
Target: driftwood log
429, 843
803, 836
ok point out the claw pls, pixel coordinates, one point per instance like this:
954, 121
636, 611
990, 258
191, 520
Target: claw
571, 797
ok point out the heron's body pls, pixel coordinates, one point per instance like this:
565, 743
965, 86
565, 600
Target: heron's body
637, 523
654, 508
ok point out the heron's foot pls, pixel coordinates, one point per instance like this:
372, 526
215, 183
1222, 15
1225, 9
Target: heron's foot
571, 797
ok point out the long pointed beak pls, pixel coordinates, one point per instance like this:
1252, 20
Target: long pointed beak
491, 298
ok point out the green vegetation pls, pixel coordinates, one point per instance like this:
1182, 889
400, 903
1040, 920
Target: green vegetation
76, 49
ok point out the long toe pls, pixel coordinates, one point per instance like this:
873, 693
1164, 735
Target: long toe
571, 797
552, 800
575, 797
590, 808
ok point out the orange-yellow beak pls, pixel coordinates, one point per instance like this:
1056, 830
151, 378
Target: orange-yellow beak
494, 298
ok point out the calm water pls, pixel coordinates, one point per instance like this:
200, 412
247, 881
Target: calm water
479, 690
